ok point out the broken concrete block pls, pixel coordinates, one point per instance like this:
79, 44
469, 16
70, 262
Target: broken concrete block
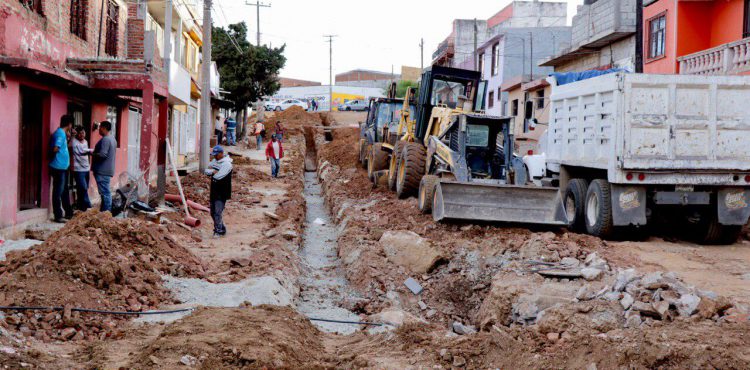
624, 277
594, 261
626, 301
687, 305
570, 262
590, 273
462, 329
188, 360
646, 309
662, 308
632, 319
422, 305
612, 296
411, 251
413, 285
653, 281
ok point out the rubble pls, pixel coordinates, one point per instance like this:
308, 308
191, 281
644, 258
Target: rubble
407, 249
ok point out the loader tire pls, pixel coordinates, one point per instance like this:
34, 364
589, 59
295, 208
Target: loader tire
710, 232
393, 164
599, 210
575, 204
377, 160
362, 153
410, 170
427, 193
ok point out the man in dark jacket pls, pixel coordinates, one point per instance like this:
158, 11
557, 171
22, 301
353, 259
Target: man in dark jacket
104, 157
220, 171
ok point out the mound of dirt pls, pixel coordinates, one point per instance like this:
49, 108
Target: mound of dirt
247, 337
295, 117
197, 185
95, 262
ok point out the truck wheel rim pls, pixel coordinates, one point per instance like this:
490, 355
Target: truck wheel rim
570, 208
592, 209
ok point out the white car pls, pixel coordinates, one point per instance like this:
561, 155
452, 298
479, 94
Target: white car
286, 104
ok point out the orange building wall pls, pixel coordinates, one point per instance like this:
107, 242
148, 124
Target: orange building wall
501, 16
667, 64
727, 21
693, 26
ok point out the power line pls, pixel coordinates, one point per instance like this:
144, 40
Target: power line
257, 6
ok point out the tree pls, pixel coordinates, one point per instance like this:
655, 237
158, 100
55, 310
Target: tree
402, 86
248, 72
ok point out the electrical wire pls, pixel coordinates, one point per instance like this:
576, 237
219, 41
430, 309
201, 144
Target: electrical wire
89, 310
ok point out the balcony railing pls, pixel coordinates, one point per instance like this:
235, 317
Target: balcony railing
446, 48
727, 59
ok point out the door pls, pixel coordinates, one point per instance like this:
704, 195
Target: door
134, 142
30, 151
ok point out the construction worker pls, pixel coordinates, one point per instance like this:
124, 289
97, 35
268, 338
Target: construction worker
58, 167
220, 171
274, 153
260, 132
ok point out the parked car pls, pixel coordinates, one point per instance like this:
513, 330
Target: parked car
286, 104
355, 105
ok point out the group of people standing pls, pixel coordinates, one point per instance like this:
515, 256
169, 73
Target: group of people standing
228, 128
100, 160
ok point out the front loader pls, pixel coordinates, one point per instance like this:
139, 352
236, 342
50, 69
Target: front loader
460, 162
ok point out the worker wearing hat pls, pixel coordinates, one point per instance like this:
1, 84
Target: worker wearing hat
220, 172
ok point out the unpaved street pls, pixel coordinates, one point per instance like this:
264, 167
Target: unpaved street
326, 244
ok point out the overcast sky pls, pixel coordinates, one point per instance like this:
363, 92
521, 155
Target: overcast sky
371, 34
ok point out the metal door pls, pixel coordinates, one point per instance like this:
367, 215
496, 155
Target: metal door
30, 151
134, 142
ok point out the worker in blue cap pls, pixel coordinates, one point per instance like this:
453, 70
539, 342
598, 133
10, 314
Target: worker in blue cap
220, 172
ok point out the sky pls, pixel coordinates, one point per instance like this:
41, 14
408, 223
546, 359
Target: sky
370, 34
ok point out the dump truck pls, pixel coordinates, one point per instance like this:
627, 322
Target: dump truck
627, 150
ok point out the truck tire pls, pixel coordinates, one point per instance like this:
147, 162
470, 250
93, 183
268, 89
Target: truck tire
393, 164
427, 193
376, 161
362, 153
410, 170
575, 204
599, 209
711, 232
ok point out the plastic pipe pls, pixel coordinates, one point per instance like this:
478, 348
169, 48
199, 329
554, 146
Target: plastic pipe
193, 205
190, 221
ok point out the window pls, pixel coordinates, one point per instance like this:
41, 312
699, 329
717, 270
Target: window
540, 99
495, 57
113, 20
746, 25
78, 10
34, 5
514, 107
656, 36
491, 99
113, 116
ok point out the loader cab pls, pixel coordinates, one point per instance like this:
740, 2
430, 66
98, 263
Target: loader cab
383, 117
481, 141
443, 86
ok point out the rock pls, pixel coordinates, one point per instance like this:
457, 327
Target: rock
459, 361
240, 262
422, 305
413, 285
553, 337
594, 261
612, 296
270, 233
188, 360
632, 319
271, 215
646, 309
154, 360
662, 308
445, 355
687, 305
68, 333
289, 234
590, 273
626, 301
591, 291
430, 313
570, 262
411, 251
624, 277
653, 281
462, 329
396, 318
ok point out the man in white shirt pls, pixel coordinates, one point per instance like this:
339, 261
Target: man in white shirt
81, 168
219, 130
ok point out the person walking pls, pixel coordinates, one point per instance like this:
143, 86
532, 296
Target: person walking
81, 168
220, 171
219, 130
103, 167
58, 166
279, 131
260, 132
231, 127
274, 153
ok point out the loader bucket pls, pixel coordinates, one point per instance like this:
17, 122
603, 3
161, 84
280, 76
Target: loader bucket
503, 203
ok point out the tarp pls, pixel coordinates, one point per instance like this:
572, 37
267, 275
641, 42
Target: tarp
570, 77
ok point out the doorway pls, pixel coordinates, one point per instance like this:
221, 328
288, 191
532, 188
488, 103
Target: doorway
30, 151
134, 142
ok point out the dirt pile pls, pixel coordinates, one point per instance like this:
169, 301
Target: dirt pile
246, 337
196, 185
94, 262
295, 117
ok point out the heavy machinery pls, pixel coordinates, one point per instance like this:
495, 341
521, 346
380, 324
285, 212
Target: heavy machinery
460, 162
379, 131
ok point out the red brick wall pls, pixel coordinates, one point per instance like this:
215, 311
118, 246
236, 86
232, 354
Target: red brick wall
47, 38
362, 76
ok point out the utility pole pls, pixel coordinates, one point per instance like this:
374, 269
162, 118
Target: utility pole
330, 71
639, 36
257, 6
421, 55
161, 171
531, 56
476, 30
206, 88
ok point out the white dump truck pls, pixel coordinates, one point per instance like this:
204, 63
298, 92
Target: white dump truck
627, 150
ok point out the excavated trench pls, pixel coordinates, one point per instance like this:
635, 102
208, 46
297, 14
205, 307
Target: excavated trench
323, 287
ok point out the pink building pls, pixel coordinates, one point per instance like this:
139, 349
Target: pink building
72, 57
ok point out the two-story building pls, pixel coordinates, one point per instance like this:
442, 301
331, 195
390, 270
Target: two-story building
696, 37
93, 60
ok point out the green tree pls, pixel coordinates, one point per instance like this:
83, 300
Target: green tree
402, 86
248, 72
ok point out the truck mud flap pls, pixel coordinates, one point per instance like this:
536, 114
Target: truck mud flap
502, 203
733, 206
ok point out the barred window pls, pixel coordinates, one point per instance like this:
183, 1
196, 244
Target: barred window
78, 17
113, 20
35, 5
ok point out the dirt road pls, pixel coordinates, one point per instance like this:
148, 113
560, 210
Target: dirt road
328, 246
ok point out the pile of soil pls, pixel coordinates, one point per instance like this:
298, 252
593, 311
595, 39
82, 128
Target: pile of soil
94, 262
196, 185
295, 117
246, 337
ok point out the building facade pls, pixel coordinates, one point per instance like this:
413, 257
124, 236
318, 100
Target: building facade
293, 82
528, 104
74, 57
366, 78
696, 37
603, 36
